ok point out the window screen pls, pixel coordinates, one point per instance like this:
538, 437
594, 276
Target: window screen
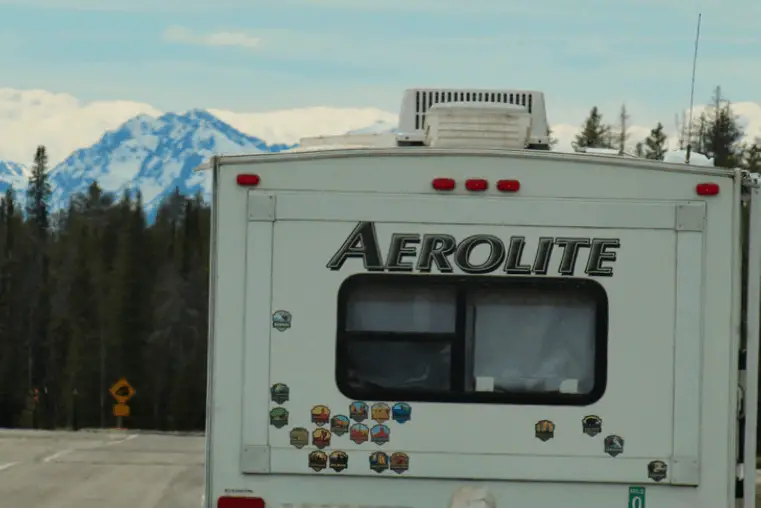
503, 340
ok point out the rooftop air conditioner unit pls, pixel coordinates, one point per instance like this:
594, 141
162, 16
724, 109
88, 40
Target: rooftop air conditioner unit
477, 125
418, 107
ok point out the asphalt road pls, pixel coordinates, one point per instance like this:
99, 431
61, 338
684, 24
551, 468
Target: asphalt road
104, 469
100, 469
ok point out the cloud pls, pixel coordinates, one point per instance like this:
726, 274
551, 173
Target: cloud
182, 35
59, 121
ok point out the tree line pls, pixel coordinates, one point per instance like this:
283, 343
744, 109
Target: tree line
715, 133
93, 293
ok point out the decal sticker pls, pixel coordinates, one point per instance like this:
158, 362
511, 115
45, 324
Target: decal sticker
339, 460
321, 438
637, 496
318, 460
401, 413
358, 411
380, 412
280, 393
400, 462
279, 417
299, 437
614, 445
591, 425
281, 320
657, 470
358, 433
380, 434
339, 425
544, 430
378, 462
410, 252
320, 415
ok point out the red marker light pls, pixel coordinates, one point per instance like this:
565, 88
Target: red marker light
707, 189
443, 184
476, 184
240, 502
508, 186
246, 179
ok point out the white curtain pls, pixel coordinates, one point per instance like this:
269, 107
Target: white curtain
535, 341
401, 309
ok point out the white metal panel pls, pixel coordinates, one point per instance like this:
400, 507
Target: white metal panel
257, 325
753, 307
461, 435
688, 337
228, 294
460, 210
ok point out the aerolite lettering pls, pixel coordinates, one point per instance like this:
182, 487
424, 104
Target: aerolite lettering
413, 252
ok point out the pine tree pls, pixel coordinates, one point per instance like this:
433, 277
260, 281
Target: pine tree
623, 133
723, 134
752, 159
38, 217
39, 192
594, 133
655, 143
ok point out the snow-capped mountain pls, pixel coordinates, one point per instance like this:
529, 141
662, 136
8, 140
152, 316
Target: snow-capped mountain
154, 155
12, 174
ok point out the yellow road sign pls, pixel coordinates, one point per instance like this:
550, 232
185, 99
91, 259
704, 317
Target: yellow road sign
121, 410
122, 391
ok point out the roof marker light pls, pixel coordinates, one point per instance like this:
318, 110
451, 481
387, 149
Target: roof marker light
508, 186
443, 184
247, 179
707, 189
476, 184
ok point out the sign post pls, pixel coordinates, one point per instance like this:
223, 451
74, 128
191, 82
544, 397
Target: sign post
122, 392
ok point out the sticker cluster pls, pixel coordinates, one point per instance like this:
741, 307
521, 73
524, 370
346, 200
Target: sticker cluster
364, 423
368, 423
613, 445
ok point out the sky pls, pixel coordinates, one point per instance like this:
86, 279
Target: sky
260, 55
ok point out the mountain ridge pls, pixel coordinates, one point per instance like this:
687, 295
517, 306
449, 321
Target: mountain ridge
154, 155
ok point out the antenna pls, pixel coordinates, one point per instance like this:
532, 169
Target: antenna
692, 91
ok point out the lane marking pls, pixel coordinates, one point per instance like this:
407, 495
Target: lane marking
64, 452
57, 455
128, 437
5, 466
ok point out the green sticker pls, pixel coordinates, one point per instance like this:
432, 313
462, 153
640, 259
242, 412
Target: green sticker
636, 496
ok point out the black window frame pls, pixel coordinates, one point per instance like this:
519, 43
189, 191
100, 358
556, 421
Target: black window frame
458, 339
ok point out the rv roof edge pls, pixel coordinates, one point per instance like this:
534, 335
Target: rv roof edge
338, 152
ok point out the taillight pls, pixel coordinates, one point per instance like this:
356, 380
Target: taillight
247, 179
240, 502
443, 184
476, 184
508, 186
707, 189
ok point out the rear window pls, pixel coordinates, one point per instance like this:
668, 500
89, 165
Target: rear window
472, 339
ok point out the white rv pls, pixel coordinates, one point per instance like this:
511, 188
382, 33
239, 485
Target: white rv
468, 319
